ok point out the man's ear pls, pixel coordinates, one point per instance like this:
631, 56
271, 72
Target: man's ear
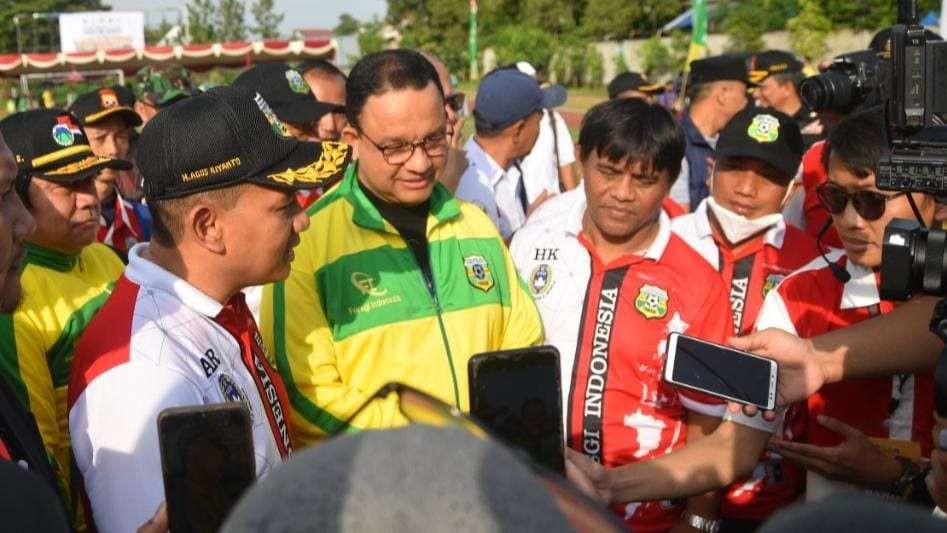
204, 224
350, 136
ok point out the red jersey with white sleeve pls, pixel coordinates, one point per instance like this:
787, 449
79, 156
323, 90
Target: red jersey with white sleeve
159, 342
814, 174
898, 409
751, 271
610, 323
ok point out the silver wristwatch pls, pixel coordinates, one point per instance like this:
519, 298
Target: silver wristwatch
706, 525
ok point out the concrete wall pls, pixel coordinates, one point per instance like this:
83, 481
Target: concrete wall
839, 42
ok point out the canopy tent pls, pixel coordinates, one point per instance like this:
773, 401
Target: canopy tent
193, 56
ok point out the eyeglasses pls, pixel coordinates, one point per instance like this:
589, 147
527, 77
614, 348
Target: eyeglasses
456, 102
869, 205
399, 154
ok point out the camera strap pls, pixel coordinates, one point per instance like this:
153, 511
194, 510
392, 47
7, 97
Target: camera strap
739, 289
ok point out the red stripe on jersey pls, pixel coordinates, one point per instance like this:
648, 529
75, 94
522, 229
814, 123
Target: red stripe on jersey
814, 173
104, 343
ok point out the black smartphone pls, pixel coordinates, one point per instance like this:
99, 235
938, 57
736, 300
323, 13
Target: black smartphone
517, 395
721, 371
207, 462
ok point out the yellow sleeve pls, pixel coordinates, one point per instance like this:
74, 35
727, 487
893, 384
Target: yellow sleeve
523, 325
298, 335
23, 364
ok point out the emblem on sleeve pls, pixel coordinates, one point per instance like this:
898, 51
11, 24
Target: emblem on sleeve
233, 393
652, 302
540, 281
478, 272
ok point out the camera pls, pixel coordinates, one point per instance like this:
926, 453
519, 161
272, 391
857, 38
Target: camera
852, 81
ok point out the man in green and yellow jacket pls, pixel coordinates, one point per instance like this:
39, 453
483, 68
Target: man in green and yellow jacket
395, 280
66, 277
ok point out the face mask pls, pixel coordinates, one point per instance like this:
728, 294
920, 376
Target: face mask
737, 228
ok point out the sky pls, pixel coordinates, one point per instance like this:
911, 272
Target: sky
298, 13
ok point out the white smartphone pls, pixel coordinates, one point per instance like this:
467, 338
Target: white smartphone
721, 371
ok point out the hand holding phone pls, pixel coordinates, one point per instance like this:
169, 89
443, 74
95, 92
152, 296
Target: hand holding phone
721, 371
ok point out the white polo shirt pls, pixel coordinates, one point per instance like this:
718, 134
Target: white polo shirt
539, 166
492, 188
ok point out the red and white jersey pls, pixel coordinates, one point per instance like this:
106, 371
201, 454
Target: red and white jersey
610, 323
159, 342
751, 271
812, 301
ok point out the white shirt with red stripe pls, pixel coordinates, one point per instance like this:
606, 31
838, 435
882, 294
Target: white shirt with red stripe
610, 323
751, 271
159, 342
811, 302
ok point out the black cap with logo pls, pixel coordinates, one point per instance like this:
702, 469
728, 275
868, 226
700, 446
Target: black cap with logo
50, 144
226, 136
98, 105
632, 81
284, 88
765, 134
773, 62
719, 68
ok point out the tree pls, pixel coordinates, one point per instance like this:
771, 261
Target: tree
348, 25
809, 30
657, 57
743, 25
231, 23
519, 43
201, 16
621, 19
47, 33
267, 20
369, 37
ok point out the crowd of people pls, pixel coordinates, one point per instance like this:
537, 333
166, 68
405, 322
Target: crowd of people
303, 237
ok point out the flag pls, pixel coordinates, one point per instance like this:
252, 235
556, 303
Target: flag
472, 44
698, 48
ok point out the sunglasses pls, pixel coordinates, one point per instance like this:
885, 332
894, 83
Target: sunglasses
869, 205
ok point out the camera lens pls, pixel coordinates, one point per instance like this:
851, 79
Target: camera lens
831, 90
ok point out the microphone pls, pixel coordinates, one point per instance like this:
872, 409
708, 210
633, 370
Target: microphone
840, 273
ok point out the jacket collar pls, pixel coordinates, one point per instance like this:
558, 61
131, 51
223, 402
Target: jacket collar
862, 289
52, 259
148, 274
573, 225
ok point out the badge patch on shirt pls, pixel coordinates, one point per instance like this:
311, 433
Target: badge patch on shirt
652, 302
478, 272
771, 282
232, 393
540, 281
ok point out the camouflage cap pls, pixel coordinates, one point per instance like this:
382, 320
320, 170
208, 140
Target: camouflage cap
162, 86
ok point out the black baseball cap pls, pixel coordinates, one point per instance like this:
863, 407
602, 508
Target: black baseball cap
50, 144
719, 68
226, 136
507, 95
765, 134
284, 88
773, 62
632, 81
95, 106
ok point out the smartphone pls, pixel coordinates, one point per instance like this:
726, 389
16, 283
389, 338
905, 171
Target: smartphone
517, 395
207, 461
721, 371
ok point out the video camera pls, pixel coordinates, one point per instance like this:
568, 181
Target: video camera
913, 256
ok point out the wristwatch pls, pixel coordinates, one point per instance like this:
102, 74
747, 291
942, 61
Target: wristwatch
705, 525
904, 485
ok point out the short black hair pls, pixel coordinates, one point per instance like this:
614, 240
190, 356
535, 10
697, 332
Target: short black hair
628, 128
859, 141
795, 78
168, 216
379, 72
321, 66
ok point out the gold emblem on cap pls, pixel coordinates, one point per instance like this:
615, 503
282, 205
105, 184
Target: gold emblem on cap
331, 162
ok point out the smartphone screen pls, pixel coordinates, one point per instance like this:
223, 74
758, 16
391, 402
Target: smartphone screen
721, 371
208, 462
516, 394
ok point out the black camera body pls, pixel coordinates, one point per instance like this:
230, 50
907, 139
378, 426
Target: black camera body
853, 80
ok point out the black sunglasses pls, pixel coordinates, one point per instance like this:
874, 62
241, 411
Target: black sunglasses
869, 205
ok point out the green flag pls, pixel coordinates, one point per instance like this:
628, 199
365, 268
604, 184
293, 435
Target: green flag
698, 48
473, 39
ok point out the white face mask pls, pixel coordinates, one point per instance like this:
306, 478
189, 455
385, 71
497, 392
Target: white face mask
737, 228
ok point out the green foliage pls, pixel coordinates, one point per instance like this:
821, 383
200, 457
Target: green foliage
47, 31
594, 67
869, 15
348, 25
809, 30
267, 20
554, 16
742, 24
202, 15
619, 63
369, 37
438, 26
621, 19
218, 20
155, 33
656, 57
519, 43
230, 20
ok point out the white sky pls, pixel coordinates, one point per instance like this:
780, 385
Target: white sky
298, 13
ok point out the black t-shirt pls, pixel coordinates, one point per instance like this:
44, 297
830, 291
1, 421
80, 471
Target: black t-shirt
411, 223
